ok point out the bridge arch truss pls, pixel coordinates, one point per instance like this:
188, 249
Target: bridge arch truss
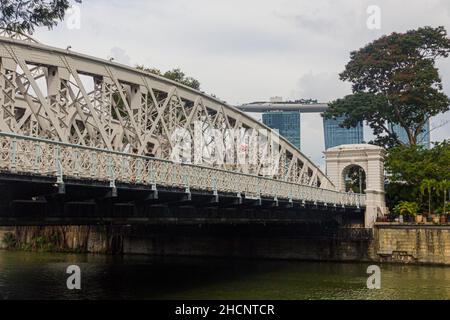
67, 97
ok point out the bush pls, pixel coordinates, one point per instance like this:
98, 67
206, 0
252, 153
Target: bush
406, 208
396, 192
416, 174
9, 240
42, 244
37, 243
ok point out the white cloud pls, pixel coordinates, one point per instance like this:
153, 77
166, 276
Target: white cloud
324, 87
121, 56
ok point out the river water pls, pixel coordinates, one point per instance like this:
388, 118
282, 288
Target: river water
25, 275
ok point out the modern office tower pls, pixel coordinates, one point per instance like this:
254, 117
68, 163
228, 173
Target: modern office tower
287, 123
336, 135
423, 139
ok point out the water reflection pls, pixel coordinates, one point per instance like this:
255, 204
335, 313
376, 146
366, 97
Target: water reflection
25, 275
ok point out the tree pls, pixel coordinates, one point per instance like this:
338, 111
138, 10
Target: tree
355, 179
443, 186
428, 185
413, 164
25, 16
408, 166
175, 75
394, 80
178, 75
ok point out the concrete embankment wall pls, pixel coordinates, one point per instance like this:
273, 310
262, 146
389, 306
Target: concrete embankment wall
425, 244
300, 242
254, 247
92, 239
390, 243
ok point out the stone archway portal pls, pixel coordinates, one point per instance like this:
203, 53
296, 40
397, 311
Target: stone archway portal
370, 158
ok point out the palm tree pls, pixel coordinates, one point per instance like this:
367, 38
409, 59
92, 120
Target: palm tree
428, 185
443, 186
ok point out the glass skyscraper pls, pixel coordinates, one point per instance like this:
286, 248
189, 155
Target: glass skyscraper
423, 139
336, 135
287, 123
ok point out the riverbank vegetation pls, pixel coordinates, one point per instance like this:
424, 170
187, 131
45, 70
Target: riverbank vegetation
418, 180
25, 16
38, 243
396, 84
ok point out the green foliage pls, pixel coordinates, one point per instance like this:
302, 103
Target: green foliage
175, 75
443, 187
406, 208
395, 81
25, 16
414, 172
355, 179
428, 186
40, 244
413, 164
396, 192
9, 240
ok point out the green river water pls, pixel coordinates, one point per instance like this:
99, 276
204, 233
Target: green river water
26, 275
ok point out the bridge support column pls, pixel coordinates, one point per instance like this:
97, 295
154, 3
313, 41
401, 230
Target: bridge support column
369, 158
375, 206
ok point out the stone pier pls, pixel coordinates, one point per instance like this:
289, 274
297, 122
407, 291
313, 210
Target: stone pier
369, 158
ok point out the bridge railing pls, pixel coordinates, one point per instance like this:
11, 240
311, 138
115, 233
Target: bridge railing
28, 155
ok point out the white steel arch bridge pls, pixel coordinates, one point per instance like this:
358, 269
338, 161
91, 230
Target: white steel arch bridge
67, 114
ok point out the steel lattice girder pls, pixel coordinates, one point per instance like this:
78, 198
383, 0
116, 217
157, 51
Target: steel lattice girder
69, 97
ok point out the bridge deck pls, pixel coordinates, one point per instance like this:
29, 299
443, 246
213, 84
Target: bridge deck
32, 167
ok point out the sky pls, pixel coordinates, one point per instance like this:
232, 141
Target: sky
250, 50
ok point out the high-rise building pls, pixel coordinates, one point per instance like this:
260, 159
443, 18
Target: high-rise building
287, 123
336, 135
423, 139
